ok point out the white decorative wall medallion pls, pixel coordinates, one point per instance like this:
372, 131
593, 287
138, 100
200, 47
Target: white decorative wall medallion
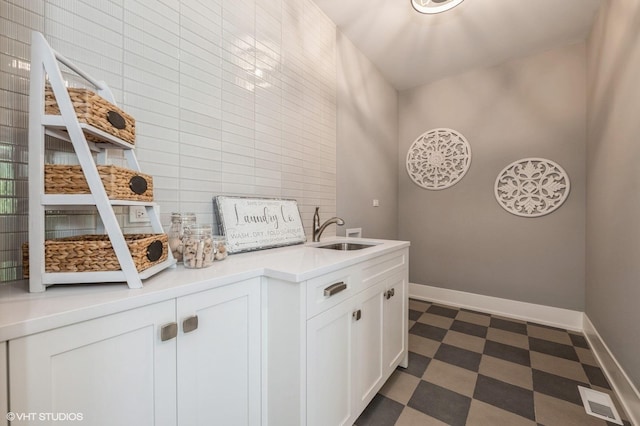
438, 159
532, 187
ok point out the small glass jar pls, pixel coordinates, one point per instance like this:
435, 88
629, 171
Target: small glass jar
220, 244
179, 221
198, 248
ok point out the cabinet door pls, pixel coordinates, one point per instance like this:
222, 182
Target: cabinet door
329, 373
3, 384
219, 361
395, 313
113, 370
367, 352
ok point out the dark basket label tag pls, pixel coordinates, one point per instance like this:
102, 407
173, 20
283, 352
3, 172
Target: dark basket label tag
154, 251
138, 185
116, 120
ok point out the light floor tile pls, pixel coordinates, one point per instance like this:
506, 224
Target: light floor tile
411, 417
423, 346
483, 414
418, 305
558, 366
586, 356
465, 341
508, 338
436, 320
557, 336
400, 387
506, 371
474, 318
451, 377
556, 412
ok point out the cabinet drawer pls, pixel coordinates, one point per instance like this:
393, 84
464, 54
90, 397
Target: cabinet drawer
381, 268
328, 290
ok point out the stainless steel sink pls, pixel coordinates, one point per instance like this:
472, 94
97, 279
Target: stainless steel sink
345, 246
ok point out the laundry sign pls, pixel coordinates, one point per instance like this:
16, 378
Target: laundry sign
258, 223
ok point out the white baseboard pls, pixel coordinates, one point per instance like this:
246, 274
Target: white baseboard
547, 315
620, 382
556, 317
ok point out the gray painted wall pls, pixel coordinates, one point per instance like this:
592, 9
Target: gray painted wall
367, 150
461, 239
613, 182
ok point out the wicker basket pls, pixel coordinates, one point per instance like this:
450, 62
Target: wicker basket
91, 253
96, 111
120, 183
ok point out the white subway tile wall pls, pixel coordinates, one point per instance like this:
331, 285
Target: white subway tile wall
231, 97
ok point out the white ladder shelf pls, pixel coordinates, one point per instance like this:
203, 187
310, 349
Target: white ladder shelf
44, 62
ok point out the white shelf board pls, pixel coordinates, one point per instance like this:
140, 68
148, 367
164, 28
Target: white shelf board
51, 200
49, 278
55, 126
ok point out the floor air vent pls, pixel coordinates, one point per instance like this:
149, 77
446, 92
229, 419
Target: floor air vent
599, 404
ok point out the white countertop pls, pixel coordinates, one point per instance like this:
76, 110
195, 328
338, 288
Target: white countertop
23, 313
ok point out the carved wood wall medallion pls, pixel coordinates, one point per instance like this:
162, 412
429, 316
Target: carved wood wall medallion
532, 187
438, 159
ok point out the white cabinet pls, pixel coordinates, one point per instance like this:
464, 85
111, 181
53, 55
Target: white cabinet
339, 338
154, 365
3, 383
395, 332
219, 362
110, 370
352, 350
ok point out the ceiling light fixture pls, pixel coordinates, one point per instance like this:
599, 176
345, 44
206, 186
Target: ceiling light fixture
434, 6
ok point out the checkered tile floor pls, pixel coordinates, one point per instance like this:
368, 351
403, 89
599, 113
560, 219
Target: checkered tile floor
471, 368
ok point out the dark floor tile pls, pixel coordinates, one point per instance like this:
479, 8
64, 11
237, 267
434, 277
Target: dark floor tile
417, 364
428, 331
514, 327
549, 327
442, 311
557, 386
553, 348
468, 328
596, 376
475, 312
443, 404
579, 340
414, 315
503, 395
459, 357
507, 353
381, 411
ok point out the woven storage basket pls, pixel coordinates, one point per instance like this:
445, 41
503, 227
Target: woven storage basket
91, 253
120, 183
96, 111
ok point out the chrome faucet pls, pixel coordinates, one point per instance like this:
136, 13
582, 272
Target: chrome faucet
319, 229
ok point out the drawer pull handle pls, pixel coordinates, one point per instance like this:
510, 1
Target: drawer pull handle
168, 331
190, 324
334, 289
357, 314
390, 293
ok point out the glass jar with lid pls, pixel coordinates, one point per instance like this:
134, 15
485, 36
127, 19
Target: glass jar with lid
220, 244
198, 249
179, 222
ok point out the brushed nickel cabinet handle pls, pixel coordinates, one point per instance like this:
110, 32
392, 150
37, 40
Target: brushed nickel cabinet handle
335, 288
357, 314
168, 331
190, 324
390, 293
